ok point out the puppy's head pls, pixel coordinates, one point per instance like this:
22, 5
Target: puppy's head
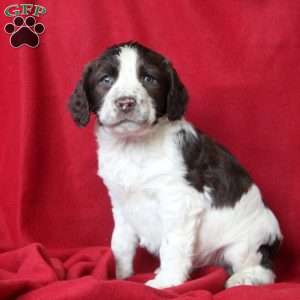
129, 88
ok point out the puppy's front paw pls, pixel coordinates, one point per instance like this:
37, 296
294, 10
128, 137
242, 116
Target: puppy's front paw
161, 282
154, 283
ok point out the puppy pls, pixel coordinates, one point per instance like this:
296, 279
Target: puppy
173, 189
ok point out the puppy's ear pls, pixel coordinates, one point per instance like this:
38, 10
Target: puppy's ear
177, 96
79, 104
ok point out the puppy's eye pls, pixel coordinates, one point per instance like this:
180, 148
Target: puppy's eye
106, 80
149, 79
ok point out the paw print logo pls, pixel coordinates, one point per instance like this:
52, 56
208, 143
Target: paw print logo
24, 31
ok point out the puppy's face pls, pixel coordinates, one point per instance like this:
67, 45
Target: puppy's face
128, 88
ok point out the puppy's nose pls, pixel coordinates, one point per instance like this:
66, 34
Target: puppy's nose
125, 104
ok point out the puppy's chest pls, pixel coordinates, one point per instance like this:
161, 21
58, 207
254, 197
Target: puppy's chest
135, 172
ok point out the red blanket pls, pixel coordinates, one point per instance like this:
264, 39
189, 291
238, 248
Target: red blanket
240, 61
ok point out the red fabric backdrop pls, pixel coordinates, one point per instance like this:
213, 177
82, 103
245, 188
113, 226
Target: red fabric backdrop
240, 61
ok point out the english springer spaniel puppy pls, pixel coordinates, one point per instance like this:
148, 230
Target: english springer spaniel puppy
173, 190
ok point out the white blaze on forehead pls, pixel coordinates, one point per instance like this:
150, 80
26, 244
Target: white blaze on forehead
128, 59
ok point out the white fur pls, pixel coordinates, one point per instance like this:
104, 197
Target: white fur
155, 207
254, 275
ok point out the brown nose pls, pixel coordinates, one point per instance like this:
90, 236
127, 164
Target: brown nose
125, 104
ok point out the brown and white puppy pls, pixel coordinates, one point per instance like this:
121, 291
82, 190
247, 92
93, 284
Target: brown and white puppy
174, 191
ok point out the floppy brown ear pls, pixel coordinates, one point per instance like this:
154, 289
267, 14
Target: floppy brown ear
177, 96
79, 103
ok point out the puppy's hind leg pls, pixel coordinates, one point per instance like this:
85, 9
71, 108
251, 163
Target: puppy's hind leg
254, 275
250, 266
